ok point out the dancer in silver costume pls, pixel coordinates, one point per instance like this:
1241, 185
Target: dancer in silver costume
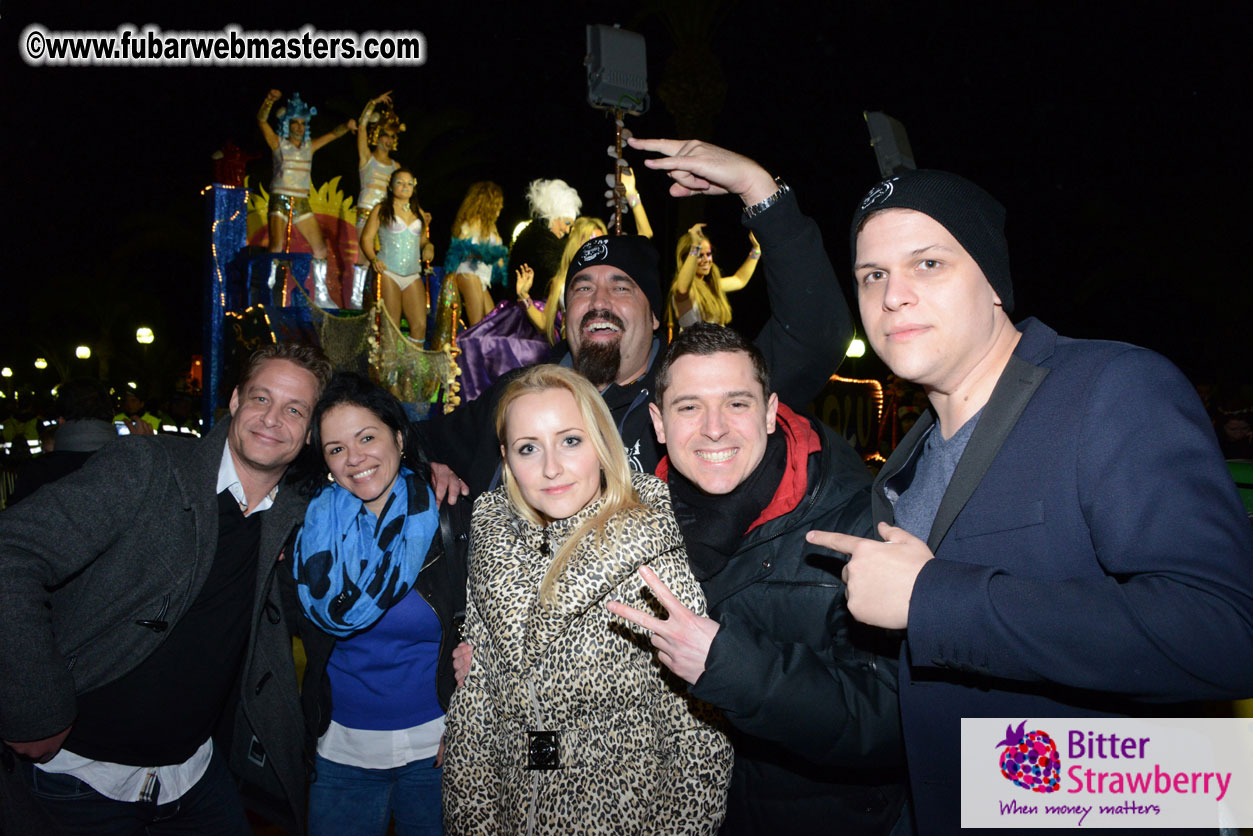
289, 190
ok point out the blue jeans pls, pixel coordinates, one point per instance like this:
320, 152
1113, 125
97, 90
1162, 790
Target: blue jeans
355, 801
211, 806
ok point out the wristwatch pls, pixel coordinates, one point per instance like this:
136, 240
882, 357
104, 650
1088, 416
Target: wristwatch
762, 205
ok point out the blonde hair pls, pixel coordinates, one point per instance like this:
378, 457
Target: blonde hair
581, 231
706, 294
617, 492
479, 210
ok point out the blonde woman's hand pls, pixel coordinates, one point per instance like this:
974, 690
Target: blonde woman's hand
628, 181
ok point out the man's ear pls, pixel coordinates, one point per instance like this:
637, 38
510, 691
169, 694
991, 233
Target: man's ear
234, 405
659, 427
772, 412
656, 324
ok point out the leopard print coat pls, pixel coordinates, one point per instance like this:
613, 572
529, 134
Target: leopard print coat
637, 755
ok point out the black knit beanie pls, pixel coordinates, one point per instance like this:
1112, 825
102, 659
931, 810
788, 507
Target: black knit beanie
970, 214
634, 255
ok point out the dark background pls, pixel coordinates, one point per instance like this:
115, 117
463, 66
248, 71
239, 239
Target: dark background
1114, 133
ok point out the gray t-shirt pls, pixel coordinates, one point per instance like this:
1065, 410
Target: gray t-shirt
916, 506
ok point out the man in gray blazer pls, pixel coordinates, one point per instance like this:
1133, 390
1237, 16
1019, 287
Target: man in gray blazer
139, 614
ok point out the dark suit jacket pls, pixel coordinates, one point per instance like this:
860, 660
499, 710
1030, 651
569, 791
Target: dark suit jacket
97, 566
1092, 555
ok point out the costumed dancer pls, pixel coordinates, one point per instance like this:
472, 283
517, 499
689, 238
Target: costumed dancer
554, 206
548, 319
379, 673
381, 130
476, 258
292, 152
699, 291
566, 533
399, 226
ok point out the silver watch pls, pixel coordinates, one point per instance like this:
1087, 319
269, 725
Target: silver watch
762, 205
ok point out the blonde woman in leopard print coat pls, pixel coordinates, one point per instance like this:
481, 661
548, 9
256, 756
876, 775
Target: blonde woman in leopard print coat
628, 751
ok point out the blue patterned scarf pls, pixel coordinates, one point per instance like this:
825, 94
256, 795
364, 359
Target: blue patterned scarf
349, 572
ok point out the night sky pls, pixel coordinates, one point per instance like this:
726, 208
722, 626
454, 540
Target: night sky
1115, 134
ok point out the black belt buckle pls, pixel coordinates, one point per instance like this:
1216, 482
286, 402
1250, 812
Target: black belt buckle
543, 750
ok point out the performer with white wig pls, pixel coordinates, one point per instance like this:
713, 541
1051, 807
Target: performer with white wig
554, 206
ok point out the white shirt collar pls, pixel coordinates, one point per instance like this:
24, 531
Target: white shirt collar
228, 480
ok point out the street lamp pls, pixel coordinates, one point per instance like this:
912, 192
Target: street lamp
144, 336
82, 352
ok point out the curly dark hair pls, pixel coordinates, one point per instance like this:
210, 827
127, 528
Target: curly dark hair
310, 472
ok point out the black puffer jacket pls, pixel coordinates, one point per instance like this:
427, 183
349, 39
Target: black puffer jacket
811, 695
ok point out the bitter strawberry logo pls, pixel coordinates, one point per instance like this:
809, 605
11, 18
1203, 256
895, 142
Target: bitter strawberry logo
1030, 759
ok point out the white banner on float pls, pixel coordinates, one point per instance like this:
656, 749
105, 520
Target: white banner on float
1106, 772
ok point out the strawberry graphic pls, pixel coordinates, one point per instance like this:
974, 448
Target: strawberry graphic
1030, 759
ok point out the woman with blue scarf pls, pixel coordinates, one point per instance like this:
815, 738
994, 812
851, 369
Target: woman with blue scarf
379, 673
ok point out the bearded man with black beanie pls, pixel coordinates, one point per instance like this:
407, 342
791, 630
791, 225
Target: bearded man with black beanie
614, 303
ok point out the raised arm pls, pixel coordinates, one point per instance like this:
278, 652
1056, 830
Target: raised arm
810, 325
340, 130
702, 168
738, 279
363, 135
525, 278
642, 226
687, 270
263, 119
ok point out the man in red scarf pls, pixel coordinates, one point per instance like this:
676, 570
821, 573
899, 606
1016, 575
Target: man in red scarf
810, 694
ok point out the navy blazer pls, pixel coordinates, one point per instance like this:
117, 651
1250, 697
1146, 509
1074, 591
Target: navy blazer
1092, 556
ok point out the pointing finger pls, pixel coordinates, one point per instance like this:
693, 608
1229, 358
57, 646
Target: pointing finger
661, 146
843, 543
